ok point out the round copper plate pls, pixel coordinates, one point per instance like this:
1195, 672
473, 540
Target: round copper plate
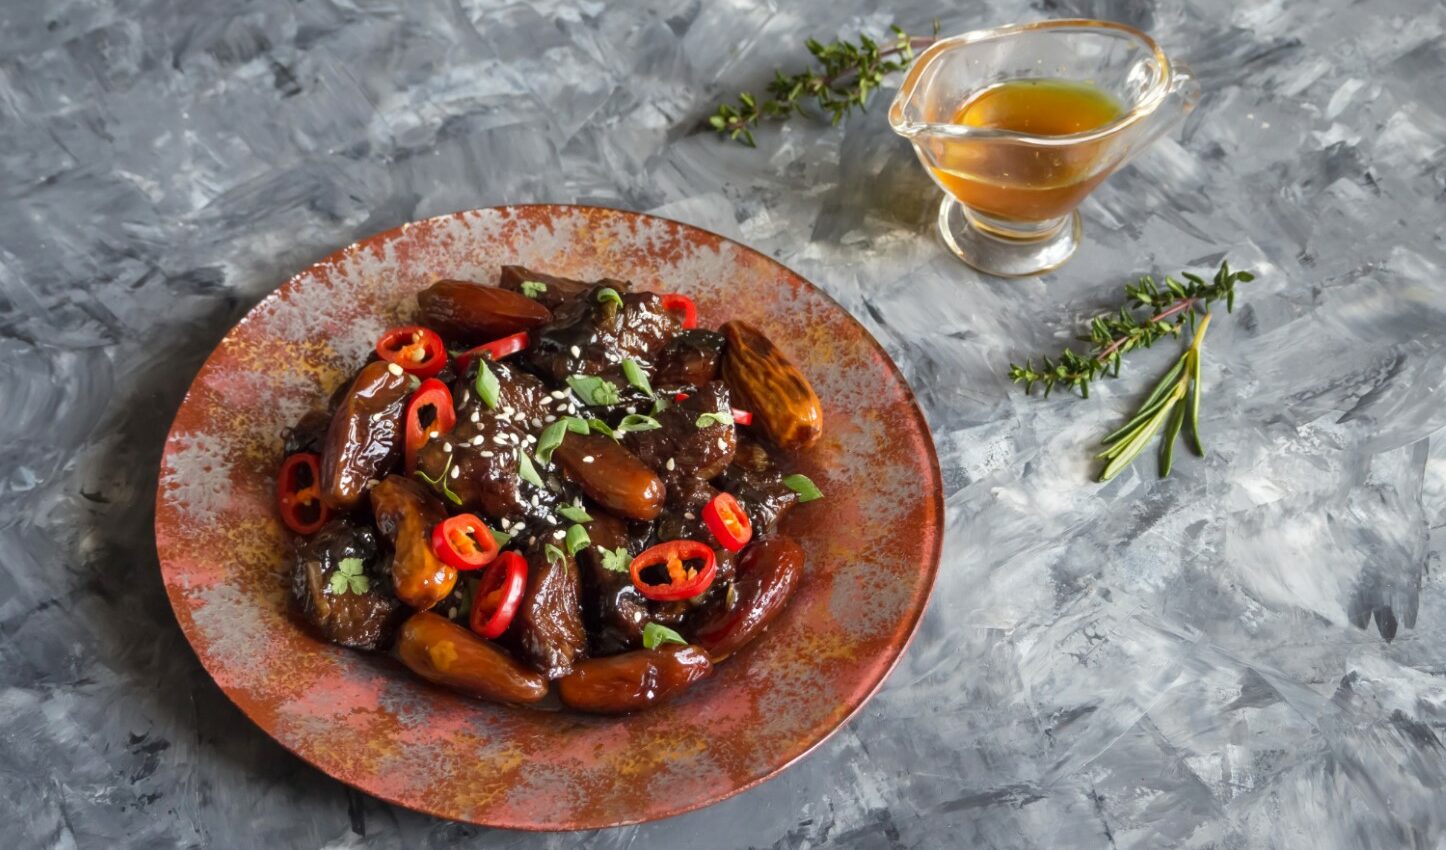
872, 544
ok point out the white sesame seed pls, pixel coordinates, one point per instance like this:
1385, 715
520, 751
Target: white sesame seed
466, 397
632, 409
476, 416
433, 435
486, 453
722, 444
506, 410
512, 437
531, 440
500, 439
452, 612
478, 440
536, 423
587, 458
394, 369
506, 523
532, 541
688, 515
456, 471
576, 352
549, 520
446, 447
558, 394
549, 418
671, 465
558, 534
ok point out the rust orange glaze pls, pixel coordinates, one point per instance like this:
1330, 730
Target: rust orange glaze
873, 545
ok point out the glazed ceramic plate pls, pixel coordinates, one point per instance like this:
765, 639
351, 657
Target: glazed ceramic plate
872, 544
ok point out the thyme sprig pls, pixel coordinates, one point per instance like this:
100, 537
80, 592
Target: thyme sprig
1174, 306
848, 73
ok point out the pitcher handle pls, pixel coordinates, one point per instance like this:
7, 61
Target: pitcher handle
1180, 98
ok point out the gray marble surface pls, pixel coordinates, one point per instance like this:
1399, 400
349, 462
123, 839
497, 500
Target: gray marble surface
1249, 654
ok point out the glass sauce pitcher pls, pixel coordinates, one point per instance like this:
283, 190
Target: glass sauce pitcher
1010, 196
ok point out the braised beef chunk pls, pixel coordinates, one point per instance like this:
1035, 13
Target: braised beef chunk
682, 516
701, 452
483, 449
592, 336
548, 629
555, 290
692, 359
308, 435
758, 487
613, 609
338, 589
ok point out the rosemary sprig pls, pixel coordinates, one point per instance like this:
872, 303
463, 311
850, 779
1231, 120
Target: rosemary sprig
1174, 401
1174, 307
846, 75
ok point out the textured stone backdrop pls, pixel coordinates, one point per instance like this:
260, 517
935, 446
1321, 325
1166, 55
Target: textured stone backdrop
1248, 654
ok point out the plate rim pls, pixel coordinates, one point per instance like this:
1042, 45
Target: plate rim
917, 609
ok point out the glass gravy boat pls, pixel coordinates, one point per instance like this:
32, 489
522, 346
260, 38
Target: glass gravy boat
1010, 197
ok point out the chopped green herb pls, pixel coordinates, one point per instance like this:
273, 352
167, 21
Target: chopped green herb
488, 387
601, 427
616, 560
553, 554
660, 404
576, 424
526, 471
533, 288
576, 539
594, 390
807, 491
636, 376
440, 482
715, 418
607, 294
574, 513
349, 577
550, 439
638, 422
502, 537
655, 636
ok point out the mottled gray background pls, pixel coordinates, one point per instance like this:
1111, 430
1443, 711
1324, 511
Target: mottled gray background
1247, 654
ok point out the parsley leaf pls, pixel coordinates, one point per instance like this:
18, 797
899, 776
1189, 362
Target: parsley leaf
616, 560
655, 636
488, 387
807, 491
636, 376
711, 418
526, 471
576, 539
533, 288
349, 577
594, 390
574, 513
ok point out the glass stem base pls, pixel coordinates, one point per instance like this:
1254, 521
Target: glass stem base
975, 240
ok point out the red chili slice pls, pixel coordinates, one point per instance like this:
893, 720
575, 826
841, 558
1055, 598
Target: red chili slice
742, 417
499, 595
463, 542
298, 493
680, 397
434, 394
415, 349
675, 303
683, 582
728, 522
494, 350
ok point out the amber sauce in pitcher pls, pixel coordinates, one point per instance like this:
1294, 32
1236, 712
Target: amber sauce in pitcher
1024, 183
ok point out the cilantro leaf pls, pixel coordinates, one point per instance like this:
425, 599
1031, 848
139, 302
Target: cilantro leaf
350, 566
338, 584
616, 560
350, 577
655, 636
807, 491
533, 288
574, 513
